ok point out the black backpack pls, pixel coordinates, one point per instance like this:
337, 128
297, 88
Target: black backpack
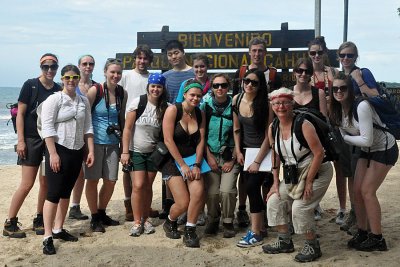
330, 139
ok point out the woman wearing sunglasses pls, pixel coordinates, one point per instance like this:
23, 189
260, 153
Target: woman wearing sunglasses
86, 67
363, 81
30, 147
251, 117
379, 153
221, 181
108, 114
66, 128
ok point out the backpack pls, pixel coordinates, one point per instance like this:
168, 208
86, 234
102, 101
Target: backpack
330, 139
13, 107
142, 106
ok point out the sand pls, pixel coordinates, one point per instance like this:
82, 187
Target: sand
117, 248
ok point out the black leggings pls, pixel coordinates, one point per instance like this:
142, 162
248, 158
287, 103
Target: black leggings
253, 182
60, 184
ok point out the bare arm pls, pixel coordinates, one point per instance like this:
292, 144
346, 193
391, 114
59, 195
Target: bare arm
127, 136
20, 123
323, 106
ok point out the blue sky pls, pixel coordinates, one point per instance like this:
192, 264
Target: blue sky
72, 28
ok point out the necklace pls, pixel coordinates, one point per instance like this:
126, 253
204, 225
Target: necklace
190, 114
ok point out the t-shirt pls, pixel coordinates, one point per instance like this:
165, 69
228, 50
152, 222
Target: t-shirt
135, 84
101, 119
368, 78
147, 130
174, 80
30, 120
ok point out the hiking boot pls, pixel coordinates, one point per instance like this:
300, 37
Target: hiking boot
11, 228
182, 219
190, 238
229, 230
279, 246
340, 217
212, 228
128, 210
201, 220
48, 246
154, 213
250, 240
353, 230
171, 229
310, 252
106, 220
75, 213
65, 235
96, 225
38, 225
373, 244
136, 230
317, 214
357, 239
349, 221
242, 218
148, 228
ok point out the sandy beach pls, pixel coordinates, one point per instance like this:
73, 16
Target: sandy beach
117, 248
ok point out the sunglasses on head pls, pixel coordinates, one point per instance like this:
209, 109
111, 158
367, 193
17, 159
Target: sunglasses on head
301, 71
91, 64
247, 81
342, 88
217, 85
113, 60
319, 52
343, 55
47, 67
70, 77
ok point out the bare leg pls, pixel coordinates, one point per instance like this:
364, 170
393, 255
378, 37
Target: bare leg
181, 195
106, 193
196, 199
78, 189
92, 195
61, 213
42, 193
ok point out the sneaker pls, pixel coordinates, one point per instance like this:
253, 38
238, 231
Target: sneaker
128, 210
182, 219
317, 214
349, 221
148, 228
171, 229
75, 213
190, 238
340, 216
106, 220
279, 246
65, 235
136, 230
250, 240
357, 239
38, 225
97, 226
373, 244
229, 230
11, 228
48, 246
212, 228
309, 252
201, 220
242, 218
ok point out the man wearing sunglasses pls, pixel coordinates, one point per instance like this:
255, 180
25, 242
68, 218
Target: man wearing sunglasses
257, 52
135, 82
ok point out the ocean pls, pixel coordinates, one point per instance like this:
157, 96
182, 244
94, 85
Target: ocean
8, 138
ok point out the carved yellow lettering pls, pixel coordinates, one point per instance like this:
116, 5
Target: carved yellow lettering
290, 59
207, 40
183, 38
244, 60
239, 40
229, 40
267, 37
222, 62
218, 39
197, 40
233, 61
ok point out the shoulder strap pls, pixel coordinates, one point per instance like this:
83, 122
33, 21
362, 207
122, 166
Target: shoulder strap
272, 74
179, 112
208, 110
242, 71
238, 100
33, 103
141, 106
199, 118
99, 95
315, 95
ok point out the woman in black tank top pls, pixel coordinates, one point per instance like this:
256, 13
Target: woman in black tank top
184, 131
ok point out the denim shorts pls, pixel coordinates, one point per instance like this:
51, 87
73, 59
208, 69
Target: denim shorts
387, 157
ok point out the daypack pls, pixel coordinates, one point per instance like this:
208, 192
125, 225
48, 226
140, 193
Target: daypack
329, 138
100, 94
31, 105
271, 77
142, 106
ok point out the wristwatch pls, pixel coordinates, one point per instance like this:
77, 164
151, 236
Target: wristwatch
197, 164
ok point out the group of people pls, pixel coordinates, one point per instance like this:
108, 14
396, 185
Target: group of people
84, 129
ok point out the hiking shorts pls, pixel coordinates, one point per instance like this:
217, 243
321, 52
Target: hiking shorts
141, 162
106, 163
387, 157
35, 147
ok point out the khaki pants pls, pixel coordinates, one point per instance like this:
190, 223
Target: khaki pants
221, 193
302, 210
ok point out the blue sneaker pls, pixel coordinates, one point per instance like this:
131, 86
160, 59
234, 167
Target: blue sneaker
250, 240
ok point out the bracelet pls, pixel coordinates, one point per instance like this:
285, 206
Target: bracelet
197, 164
257, 162
125, 153
361, 85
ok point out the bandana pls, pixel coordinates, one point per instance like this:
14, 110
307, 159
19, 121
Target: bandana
156, 78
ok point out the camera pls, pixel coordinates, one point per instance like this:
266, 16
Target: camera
115, 130
290, 174
226, 153
127, 167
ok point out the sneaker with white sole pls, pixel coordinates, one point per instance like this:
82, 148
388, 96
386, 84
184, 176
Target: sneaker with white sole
148, 228
340, 217
136, 230
250, 240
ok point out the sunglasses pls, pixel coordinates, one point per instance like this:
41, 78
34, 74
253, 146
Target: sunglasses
91, 64
247, 81
47, 67
284, 103
113, 60
346, 55
71, 77
301, 71
319, 52
342, 88
217, 85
